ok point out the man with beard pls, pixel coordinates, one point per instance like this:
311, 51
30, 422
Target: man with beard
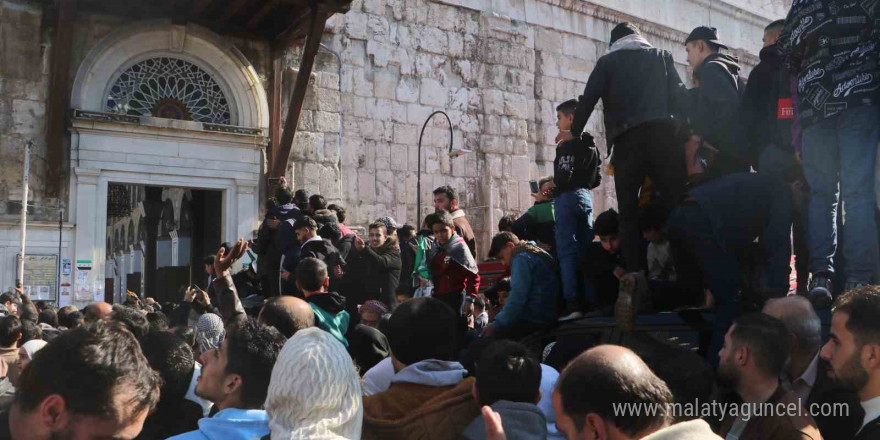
853, 350
89, 383
808, 373
755, 352
446, 199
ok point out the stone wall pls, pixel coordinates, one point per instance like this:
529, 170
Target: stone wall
498, 68
24, 86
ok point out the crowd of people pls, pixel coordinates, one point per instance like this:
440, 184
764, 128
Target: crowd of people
401, 334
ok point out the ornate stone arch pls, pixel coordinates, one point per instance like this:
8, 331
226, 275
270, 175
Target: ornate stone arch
130, 45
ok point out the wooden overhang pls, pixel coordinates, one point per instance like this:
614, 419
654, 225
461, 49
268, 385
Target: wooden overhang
279, 22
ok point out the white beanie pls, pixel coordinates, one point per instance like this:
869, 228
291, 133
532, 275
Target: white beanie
315, 390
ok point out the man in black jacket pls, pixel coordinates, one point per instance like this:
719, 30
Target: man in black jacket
853, 351
376, 268
641, 92
275, 237
312, 246
714, 102
766, 117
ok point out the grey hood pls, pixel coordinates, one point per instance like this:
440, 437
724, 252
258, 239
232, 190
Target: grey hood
432, 373
521, 421
630, 42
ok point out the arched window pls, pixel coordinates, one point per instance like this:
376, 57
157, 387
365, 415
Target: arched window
167, 87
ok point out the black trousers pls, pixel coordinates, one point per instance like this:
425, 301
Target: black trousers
651, 150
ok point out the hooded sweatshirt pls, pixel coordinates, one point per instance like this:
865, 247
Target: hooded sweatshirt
714, 110
330, 314
767, 111
576, 165
521, 421
427, 400
230, 424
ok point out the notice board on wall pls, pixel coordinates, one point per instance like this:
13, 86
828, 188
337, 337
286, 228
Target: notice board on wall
40, 276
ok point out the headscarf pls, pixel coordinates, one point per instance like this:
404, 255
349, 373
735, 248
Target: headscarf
315, 391
33, 346
209, 332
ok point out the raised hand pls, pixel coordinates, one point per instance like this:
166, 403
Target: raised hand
359, 243
223, 261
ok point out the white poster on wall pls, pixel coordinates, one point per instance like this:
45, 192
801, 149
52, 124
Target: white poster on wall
64, 298
175, 245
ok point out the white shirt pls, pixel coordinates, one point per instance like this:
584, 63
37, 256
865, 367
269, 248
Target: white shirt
804, 384
872, 410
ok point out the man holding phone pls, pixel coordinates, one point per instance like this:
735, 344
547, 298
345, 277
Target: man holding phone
538, 224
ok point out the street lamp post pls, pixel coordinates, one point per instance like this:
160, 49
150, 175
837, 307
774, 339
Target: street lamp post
419, 172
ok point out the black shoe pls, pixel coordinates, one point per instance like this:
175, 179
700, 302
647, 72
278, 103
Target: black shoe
821, 291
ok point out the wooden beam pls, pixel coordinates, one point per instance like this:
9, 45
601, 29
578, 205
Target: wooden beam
297, 29
58, 102
231, 10
282, 153
258, 17
276, 80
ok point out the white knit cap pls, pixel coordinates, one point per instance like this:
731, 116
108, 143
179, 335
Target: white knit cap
315, 391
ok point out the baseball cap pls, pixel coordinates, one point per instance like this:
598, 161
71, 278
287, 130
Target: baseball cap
705, 33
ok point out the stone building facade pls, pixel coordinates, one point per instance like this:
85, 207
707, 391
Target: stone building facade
498, 68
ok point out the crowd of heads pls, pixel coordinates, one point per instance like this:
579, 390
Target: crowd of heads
137, 369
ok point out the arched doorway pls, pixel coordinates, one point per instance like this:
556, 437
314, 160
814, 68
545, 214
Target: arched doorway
158, 105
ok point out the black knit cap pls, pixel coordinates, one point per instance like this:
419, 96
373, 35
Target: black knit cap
622, 30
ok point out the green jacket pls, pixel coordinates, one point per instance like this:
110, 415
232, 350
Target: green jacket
538, 224
330, 314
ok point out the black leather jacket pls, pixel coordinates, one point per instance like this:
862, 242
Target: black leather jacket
636, 85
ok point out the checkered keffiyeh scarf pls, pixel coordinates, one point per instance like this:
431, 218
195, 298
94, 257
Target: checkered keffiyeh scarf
209, 332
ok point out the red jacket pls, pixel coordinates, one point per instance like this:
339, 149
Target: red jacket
451, 277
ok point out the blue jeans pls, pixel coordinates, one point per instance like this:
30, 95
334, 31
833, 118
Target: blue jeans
574, 232
691, 229
843, 149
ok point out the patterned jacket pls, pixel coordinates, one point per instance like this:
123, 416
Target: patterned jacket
831, 46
